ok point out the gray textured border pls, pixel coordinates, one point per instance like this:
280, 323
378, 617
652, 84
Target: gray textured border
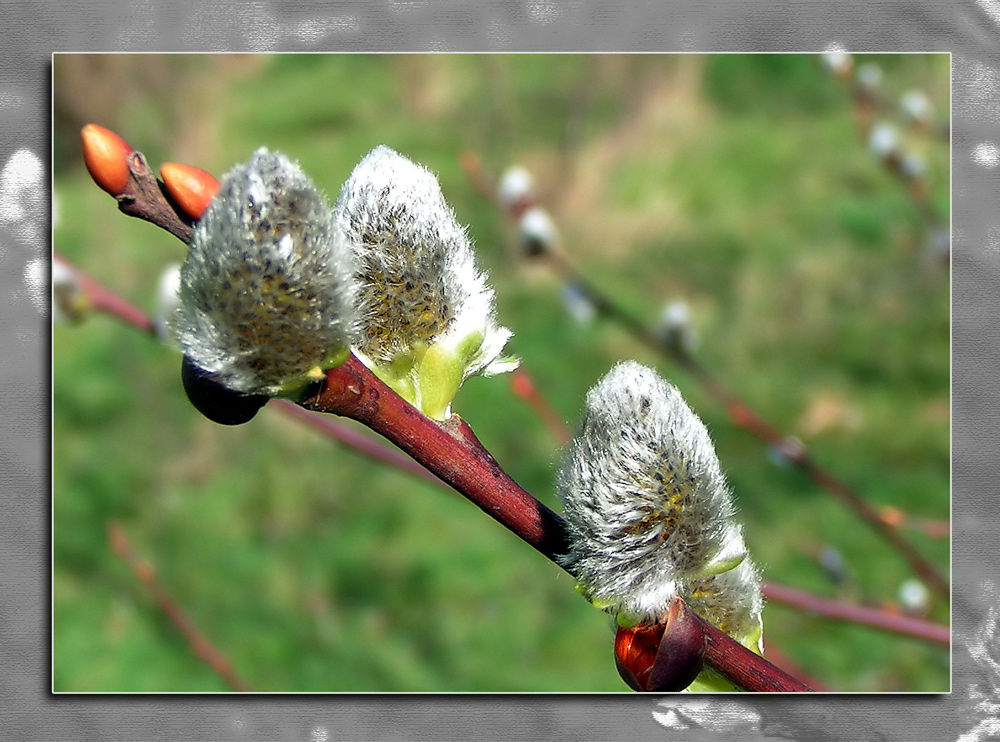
34, 29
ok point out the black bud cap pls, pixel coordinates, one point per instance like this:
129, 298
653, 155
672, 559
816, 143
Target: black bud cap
215, 401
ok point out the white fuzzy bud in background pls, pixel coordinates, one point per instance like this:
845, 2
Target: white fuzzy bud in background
68, 301
914, 596
869, 76
516, 187
168, 301
537, 232
648, 510
916, 106
883, 140
912, 166
578, 304
838, 62
267, 293
427, 313
675, 329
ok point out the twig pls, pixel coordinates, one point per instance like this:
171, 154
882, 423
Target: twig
449, 449
683, 644
99, 298
199, 644
780, 659
930, 527
866, 102
345, 433
107, 301
524, 388
145, 197
374, 449
836, 611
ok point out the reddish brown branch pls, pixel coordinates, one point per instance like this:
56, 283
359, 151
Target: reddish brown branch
746, 669
451, 451
145, 197
448, 449
836, 611
98, 298
107, 301
781, 660
199, 644
341, 430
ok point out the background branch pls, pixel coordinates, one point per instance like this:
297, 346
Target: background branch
199, 644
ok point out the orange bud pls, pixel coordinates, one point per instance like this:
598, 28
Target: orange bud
892, 516
468, 161
106, 155
522, 385
190, 187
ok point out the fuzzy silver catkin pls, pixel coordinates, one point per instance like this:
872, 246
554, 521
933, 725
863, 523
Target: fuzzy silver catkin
646, 502
416, 268
732, 600
267, 291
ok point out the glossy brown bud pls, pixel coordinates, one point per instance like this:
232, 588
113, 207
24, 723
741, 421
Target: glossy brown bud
190, 187
658, 657
106, 155
635, 653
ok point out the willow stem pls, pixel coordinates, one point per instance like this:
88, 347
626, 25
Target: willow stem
448, 449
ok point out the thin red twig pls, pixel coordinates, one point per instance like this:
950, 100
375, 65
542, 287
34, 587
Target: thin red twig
101, 299
449, 449
860, 615
199, 644
524, 388
350, 436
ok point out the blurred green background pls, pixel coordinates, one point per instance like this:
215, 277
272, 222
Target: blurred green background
738, 184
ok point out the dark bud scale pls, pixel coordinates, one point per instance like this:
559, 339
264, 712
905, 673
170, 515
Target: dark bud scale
216, 402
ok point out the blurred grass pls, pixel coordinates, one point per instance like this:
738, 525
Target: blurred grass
735, 183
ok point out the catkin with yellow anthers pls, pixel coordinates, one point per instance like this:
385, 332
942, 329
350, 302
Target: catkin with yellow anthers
267, 292
427, 312
648, 510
